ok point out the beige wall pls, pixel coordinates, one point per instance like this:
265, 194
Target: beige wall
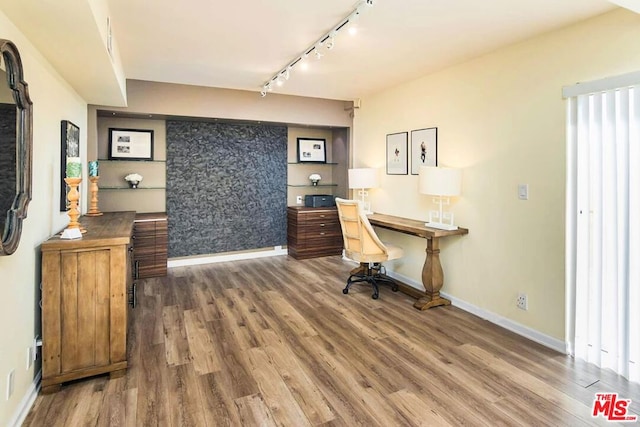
53, 101
114, 196
501, 119
195, 101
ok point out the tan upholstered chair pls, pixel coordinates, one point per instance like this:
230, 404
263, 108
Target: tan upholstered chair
362, 245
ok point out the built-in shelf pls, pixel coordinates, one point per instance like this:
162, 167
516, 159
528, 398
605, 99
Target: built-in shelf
132, 161
310, 185
311, 163
129, 188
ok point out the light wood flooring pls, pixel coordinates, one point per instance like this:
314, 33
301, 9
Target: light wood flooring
275, 342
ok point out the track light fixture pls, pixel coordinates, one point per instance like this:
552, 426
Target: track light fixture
327, 41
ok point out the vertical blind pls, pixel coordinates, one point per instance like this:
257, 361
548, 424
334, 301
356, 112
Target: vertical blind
603, 228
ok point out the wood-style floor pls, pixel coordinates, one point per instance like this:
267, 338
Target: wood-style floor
275, 342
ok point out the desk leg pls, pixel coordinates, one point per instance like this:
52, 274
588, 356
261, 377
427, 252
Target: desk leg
432, 278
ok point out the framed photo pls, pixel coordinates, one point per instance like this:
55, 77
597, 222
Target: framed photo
397, 156
424, 148
69, 147
130, 144
312, 150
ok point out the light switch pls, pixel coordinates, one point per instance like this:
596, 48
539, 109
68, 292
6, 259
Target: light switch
523, 191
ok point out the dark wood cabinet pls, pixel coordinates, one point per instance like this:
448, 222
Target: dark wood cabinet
313, 232
85, 283
150, 236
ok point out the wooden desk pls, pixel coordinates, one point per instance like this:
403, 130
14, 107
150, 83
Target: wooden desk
432, 275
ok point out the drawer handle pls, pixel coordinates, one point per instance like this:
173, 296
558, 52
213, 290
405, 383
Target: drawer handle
323, 216
323, 233
322, 225
133, 295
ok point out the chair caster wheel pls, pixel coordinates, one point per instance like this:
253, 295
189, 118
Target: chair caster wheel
395, 288
345, 291
374, 296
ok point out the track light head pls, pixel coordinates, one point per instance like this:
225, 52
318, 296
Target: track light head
331, 41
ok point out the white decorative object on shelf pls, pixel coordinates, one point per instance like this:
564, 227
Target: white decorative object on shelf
133, 179
315, 178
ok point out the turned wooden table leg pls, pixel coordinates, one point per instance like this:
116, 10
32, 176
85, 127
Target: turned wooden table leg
432, 278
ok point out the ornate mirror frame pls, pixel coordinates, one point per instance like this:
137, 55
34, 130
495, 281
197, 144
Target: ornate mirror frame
24, 146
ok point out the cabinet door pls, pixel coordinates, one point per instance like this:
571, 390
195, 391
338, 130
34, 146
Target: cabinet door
85, 309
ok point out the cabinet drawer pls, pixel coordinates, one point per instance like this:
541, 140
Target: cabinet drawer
318, 216
320, 226
144, 227
143, 242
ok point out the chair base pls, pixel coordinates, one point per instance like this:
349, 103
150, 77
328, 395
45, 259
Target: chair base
370, 273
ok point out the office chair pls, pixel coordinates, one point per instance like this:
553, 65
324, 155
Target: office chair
362, 245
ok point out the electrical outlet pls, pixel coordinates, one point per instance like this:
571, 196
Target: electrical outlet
10, 380
299, 200
522, 302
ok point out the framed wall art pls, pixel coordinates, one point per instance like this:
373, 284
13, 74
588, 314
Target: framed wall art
424, 148
312, 150
130, 144
69, 147
397, 156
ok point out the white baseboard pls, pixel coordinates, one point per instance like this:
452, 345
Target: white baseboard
230, 256
27, 402
509, 324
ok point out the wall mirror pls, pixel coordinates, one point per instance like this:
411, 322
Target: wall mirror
15, 147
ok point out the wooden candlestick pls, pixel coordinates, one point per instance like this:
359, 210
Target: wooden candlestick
73, 196
93, 207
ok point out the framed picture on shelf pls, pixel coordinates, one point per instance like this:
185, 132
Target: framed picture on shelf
130, 144
312, 150
397, 156
69, 147
424, 148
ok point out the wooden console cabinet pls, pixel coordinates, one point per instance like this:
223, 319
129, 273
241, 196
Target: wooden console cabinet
150, 237
85, 284
313, 232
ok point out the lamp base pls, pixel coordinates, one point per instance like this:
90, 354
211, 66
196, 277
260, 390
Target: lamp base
441, 226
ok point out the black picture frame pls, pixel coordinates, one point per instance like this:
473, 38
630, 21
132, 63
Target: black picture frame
69, 147
424, 148
130, 144
397, 154
312, 150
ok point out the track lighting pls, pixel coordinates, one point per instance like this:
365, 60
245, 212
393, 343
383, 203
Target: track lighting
328, 41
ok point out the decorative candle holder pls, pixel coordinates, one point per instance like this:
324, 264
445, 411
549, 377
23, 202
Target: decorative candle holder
93, 205
73, 196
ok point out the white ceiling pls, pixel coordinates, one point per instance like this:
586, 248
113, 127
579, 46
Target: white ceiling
240, 44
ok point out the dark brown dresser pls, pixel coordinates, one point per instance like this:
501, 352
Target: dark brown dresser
313, 232
150, 237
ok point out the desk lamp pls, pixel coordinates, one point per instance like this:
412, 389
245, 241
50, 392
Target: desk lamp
363, 178
441, 183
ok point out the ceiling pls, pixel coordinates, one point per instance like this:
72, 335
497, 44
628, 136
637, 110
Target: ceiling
242, 44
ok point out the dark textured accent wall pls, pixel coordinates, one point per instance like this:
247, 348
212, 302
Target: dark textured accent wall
226, 187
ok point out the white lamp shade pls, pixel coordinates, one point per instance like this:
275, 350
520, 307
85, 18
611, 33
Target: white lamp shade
439, 181
363, 178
